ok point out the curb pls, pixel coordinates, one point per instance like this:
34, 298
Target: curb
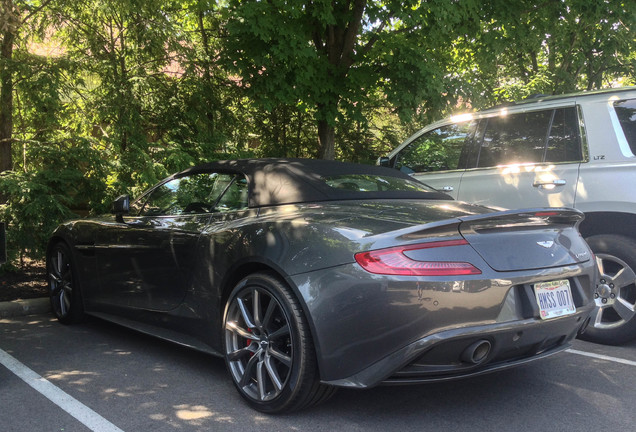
17, 308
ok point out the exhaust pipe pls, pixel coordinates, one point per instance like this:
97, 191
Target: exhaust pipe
477, 352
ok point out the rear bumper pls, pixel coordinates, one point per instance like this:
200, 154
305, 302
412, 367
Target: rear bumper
440, 356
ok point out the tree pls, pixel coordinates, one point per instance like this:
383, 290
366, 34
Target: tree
15, 15
550, 47
209, 112
142, 88
332, 54
122, 48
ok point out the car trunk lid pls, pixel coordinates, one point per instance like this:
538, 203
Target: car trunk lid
526, 239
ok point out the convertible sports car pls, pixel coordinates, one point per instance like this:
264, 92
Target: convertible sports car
310, 275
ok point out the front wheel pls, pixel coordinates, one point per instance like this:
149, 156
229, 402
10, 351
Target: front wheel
64, 291
268, 347
614, 319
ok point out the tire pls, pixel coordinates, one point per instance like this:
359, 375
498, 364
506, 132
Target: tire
614, 319
64, 289
268, 347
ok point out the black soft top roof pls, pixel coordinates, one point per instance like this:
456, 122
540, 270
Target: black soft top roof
276, 181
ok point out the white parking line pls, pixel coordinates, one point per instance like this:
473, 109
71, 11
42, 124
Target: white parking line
81, 412
602, 357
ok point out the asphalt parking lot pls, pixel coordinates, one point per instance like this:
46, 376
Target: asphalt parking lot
98, 376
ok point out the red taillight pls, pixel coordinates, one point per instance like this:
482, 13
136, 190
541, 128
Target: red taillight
392, 261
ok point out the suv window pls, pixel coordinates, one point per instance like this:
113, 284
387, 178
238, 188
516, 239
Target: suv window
534, 137
436, 150
626, 113
563, 144
514, 139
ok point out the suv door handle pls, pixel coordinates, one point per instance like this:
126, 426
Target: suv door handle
447, 188
545, 184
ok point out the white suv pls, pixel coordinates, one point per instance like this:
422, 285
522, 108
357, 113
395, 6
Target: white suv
574, 151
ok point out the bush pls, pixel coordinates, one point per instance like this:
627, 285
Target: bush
68, 178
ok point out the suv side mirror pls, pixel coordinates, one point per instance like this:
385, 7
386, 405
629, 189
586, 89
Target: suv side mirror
384, 161
121, 206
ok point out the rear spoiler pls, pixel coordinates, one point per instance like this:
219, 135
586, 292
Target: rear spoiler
498, 220
513, 219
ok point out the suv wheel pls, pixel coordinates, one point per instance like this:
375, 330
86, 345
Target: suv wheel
614, 319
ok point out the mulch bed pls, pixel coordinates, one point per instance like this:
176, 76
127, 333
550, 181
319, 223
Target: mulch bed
28, 282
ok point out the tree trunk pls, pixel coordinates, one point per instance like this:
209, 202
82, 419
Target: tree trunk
327, 140
338, 44
6, 99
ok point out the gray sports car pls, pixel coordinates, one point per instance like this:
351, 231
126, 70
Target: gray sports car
310, 275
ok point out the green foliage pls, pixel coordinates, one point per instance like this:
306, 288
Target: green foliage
69, 179
32, 203
335, 56
551, 47
138, 89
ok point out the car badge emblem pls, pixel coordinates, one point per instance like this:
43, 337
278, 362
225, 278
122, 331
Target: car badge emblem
546, 244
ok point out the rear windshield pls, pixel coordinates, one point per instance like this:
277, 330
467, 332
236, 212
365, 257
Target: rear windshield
375, 183
626, 113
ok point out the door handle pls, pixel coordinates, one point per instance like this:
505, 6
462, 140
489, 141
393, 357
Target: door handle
447, 188
548, 184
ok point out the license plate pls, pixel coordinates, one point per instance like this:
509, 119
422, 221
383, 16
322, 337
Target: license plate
554, 299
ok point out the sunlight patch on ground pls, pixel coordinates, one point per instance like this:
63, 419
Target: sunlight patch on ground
189, 412
82, 377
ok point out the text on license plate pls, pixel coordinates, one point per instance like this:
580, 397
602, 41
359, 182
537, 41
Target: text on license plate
554, 299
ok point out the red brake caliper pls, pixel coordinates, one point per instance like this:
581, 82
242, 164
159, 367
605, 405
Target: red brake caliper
249, 342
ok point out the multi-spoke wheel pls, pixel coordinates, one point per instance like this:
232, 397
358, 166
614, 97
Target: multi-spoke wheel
268, 347
66, 300
614, 319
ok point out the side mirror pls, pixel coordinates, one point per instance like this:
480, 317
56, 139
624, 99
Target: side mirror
121, 206
384, 161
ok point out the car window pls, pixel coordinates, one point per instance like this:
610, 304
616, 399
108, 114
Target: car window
374, 183
235, 196
563, 143
533, 137
626, 113
436, 150
473, 149
518, 138
196, 193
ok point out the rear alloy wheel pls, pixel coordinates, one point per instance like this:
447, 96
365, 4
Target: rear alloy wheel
268, 348
66, 299
614, 319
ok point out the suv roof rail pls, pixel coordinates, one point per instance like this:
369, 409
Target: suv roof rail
501, 105
539, 97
